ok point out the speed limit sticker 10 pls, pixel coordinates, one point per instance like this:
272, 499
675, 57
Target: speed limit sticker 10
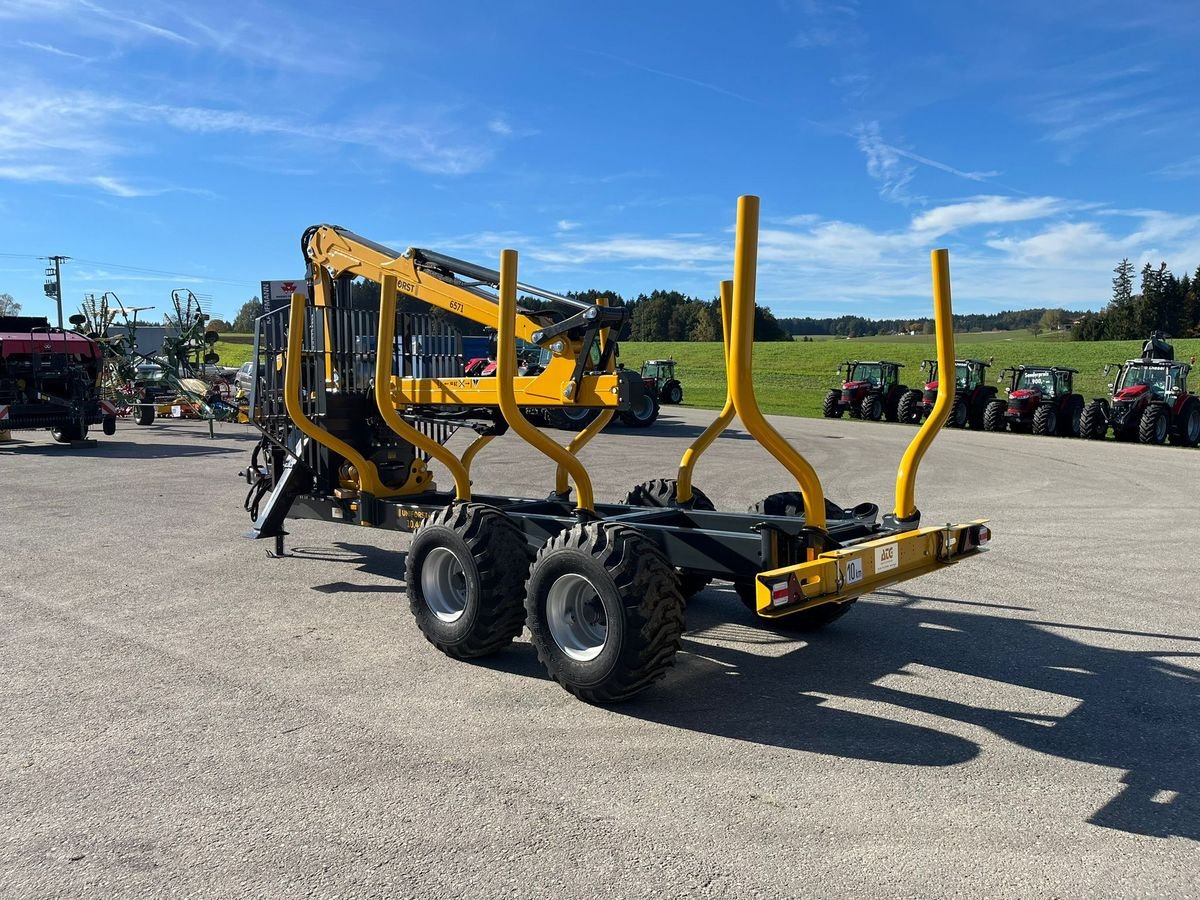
854, 571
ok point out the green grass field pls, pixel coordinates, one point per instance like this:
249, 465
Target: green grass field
234, 349
792, 379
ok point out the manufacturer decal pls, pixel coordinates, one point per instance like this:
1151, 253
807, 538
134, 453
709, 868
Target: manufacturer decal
887, 557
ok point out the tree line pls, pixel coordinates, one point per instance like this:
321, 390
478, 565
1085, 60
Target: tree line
1165, 303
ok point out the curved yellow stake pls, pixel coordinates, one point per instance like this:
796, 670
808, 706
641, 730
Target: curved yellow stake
691, 456
384, 348
589, 431
368, 475
741, 355
472, 451
506, 370
578, 442
943, 320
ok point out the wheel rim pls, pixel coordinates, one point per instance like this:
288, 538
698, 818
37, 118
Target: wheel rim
1160, 429
644, 412
1076, 416
1193, 426
576, 618
1051, 423
444, 584
576, 413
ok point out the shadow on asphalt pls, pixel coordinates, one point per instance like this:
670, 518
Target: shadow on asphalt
668, 427
366, 558
1132, 710
117, 449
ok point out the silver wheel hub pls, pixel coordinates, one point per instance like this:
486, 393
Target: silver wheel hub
444, 584
575, 615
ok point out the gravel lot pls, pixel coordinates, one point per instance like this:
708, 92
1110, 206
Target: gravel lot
184, 716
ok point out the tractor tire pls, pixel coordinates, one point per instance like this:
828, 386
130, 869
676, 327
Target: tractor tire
832, 407
1187, 429
672, 393
466, 579
872, 407
663, 493
993, 416
571, 418
1154, 425
143, 413
1092, 424
644, 416
1045, 420
976, 413
908, 410
109, 425
1073, 426
958, 413
68, 433
604, 611
891, 407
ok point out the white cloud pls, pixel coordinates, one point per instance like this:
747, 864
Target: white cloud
84, 133
56, 51
566, 225
884, 164
1005, 253
986, 210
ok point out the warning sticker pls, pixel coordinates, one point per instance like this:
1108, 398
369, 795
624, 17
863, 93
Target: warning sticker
887, 557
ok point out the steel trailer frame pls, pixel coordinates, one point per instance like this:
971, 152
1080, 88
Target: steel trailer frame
829, 555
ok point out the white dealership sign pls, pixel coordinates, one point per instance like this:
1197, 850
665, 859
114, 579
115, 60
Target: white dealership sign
279, 293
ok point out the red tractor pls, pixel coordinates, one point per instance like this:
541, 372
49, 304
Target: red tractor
1041, 400
971, 395
659, 377
870, 390
1150, 403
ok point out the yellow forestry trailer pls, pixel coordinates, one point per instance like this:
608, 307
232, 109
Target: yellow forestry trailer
356, 406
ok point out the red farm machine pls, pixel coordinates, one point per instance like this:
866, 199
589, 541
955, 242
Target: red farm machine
1150, 401
971, 395
49, 380
870, 390
1041, 400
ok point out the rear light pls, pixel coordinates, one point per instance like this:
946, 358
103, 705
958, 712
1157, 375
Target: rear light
980, 535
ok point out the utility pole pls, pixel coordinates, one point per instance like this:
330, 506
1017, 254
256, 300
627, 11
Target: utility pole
54, 288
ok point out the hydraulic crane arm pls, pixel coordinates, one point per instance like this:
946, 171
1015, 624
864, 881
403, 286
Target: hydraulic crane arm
582, 367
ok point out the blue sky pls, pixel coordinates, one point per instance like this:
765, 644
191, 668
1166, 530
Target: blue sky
1041, 142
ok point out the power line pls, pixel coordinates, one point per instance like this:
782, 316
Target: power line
140, 270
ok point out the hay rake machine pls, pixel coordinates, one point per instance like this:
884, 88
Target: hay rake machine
352, 416
170, 382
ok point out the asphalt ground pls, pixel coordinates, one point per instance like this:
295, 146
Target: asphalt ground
183, 716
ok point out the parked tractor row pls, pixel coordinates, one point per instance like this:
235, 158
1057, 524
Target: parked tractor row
1149, 400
